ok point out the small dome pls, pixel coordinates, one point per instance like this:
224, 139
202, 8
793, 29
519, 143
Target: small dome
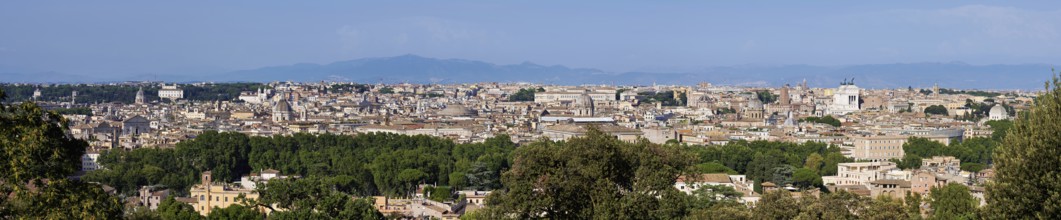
457, 110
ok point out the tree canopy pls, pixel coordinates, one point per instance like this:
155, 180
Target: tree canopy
1027, 182
597, 176
36, 156
936, 110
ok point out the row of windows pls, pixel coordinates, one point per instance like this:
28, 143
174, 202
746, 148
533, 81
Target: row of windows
883, 154
884, 147
218, 199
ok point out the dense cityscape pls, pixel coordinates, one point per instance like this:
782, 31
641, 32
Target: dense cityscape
484, 110
440, 150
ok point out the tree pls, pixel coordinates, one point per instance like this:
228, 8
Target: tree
1028, 162
386, 90
777, 205
936, 110
806, 178
909, 161
885, 207
913, 205
724, 211
170, 208
63, 199
236, 212
952, 201
1000, 128
596, 176
828, 119
832, 159
814, 162
836, 205
524, 95
765, 96
312, 198
36, 156
711, 195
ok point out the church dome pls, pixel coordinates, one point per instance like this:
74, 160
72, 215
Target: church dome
457, 110
998, 113
755, 104
584, 101
282, 106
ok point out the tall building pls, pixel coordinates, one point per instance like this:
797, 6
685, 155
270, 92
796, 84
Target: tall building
785, 99
935, 89
845, 99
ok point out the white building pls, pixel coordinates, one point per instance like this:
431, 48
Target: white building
859, 173
252, 181
170, 92
998, 113
89, 161
845, 99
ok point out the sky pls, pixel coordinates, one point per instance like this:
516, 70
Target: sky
115, 38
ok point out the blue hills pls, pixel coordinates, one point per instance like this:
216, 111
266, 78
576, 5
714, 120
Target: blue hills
418, 69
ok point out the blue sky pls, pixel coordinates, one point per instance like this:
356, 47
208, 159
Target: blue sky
116, 38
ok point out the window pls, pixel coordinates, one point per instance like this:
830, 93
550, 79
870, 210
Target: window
202, 198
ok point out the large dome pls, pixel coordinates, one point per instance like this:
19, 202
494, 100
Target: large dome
998, 113
584, 101
457, 110
755, 104
282, 106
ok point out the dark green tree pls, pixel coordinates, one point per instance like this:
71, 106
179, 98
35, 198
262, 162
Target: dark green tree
777, 205
1027, 181
806, 178
170, 208
235, 212
884, 208
597, 176
36, 156
952, 201
936, 110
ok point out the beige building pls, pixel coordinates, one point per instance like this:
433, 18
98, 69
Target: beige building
209, 195
557, 97
878, 148
565, 131
889, 187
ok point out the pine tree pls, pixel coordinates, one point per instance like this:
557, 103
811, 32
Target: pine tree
1028, 163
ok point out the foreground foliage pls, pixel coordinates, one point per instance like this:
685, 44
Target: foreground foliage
1028, 163
36, 156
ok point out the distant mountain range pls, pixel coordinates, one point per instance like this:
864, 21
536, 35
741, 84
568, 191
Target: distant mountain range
417, 69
